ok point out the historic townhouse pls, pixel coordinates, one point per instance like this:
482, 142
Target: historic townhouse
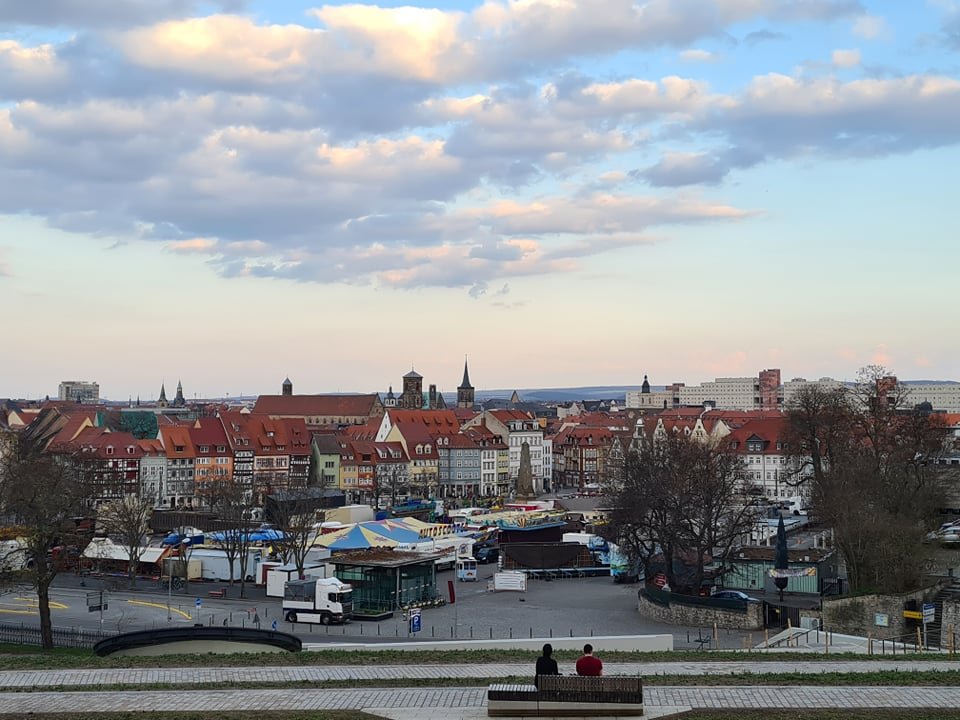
108, 463
494, 461
214, 461
517, 428
768, 469
153, 471
418, 432
459, 466
181, 456
241, 445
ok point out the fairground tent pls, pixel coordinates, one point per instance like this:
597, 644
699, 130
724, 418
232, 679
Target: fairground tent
379, 533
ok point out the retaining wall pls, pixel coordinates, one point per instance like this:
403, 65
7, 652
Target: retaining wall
677, 613
624, 643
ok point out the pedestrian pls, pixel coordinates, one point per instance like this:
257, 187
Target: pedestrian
588, 664
546, 665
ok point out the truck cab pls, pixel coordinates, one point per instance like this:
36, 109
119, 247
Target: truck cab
317, 600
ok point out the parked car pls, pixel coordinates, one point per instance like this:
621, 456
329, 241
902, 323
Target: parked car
486, 554
734, 595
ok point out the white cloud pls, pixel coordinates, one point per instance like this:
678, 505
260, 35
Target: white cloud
870, 26
845, 58
699, 56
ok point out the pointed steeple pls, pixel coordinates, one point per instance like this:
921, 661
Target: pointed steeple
179, 400
162, 402
645, 388
465, 392
465, 383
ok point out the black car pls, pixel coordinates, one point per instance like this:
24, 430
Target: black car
487, 554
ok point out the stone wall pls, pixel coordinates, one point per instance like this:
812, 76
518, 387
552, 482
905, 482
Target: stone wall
677, 613
950, 622
857, 615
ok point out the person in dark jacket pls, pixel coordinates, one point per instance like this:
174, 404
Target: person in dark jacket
546, 665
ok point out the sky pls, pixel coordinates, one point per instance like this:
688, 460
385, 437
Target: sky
567, 193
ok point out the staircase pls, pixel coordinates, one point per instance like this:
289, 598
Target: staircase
950, 593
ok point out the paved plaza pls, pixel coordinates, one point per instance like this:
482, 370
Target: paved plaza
423, 702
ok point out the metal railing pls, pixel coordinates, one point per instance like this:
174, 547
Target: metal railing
62, 637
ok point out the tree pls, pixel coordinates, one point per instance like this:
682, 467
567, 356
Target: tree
229, 501
42, 495
294, 513
868, 460
127, 520
679, 506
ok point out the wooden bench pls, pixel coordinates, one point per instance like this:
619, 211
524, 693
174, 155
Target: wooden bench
568, 695
216, 593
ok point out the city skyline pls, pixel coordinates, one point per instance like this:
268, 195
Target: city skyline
151, 397
568, 193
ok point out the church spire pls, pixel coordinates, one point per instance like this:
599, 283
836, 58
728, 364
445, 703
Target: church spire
465, 392
465, 383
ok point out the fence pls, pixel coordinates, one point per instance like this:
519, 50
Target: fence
62, 637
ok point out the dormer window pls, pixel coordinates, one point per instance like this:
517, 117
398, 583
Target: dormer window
109, 449
426, 448
178, 448
419, 449
221, 448
204, 448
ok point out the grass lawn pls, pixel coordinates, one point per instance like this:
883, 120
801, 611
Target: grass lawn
18, 657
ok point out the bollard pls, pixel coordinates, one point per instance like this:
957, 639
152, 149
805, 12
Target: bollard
471, 632
491, 632
531, 633
361, 629
511, 632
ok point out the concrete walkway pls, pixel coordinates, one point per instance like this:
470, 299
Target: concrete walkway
427, 702
11, 680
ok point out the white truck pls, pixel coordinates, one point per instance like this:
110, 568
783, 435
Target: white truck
317, 600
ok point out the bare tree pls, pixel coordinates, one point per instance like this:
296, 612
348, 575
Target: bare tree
679, 507
229, 501
294, 513
42, 495
872, 475
128, 520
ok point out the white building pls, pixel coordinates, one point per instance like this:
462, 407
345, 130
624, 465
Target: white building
942, 396
517, 428
79, 391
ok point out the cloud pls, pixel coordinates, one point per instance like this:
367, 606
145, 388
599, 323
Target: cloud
845, 58
697, 55
870, 26
99, 13
413, 147
760, 36
676, 169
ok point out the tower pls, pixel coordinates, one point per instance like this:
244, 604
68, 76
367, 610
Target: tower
465, 391
412, 396
178, 400
162, 402
645, 388
391, 400
287, 387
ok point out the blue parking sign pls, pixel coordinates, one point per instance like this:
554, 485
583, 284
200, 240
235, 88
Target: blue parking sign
414, 620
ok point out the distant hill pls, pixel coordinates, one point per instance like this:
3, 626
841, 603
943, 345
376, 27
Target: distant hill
560, 395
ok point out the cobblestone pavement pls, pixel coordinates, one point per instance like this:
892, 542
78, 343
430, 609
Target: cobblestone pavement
14, 679
415, 700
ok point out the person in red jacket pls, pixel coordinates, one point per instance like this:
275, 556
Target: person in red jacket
588, 664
